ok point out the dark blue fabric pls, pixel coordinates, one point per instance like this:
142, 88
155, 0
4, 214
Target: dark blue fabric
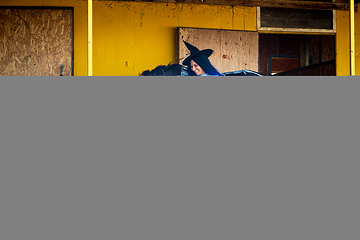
169, 70
205, 64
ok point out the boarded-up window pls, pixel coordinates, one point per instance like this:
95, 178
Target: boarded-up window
296, 20
233, 50
36, 42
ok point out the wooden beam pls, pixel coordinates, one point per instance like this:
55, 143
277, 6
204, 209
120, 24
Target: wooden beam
304, 51
352, 38
90, 37
260, 3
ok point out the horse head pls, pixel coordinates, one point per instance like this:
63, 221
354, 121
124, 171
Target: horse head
169, 70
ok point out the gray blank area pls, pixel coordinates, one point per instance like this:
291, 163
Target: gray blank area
173, 158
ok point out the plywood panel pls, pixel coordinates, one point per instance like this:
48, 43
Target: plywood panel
233, 50
240, 50
36, 42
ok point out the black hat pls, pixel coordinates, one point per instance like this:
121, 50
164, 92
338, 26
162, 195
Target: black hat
194, 51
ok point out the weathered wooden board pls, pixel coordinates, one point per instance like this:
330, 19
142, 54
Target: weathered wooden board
296, 18
262, 3
267, 45
284, 64
314, 47
327, 48
233, 50
36, 42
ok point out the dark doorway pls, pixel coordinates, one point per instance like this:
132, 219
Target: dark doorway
286, 52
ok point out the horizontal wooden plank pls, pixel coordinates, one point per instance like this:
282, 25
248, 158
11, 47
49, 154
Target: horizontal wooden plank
260, 3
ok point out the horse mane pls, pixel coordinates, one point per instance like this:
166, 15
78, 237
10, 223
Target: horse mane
169, 70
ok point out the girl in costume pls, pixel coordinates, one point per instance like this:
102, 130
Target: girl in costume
198, 63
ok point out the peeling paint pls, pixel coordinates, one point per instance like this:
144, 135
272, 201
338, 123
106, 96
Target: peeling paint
226, 57
141, 17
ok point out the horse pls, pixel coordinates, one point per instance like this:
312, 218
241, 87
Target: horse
180, 70
169, 70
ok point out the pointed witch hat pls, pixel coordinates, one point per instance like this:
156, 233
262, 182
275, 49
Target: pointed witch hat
194, 51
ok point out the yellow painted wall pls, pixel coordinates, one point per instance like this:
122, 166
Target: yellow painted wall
343, 45
129, 37
132, 37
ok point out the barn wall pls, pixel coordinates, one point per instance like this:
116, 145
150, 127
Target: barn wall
130, 37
